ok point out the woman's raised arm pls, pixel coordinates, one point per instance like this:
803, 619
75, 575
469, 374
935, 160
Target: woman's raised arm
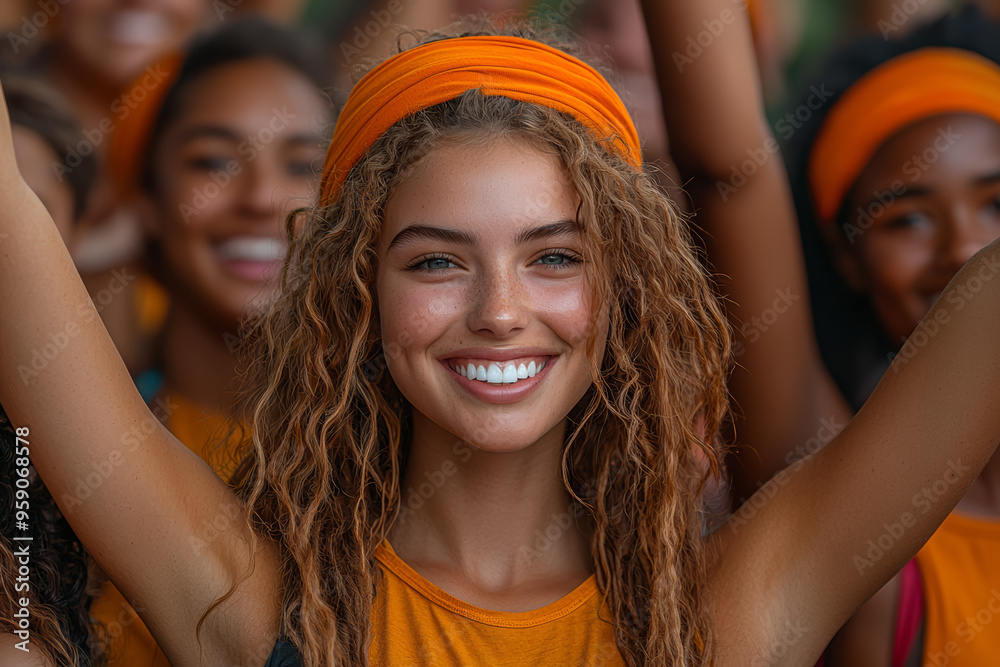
821, 537
730, 165
164, 527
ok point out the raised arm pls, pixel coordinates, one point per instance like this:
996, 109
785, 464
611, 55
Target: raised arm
155, 517
730, 165
826, 534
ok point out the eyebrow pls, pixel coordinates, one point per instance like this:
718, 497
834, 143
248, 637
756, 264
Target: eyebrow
416, 232
221, 132
912, 191
920, 191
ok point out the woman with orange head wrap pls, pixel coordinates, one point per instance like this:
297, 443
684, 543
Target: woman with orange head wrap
896, 184
481, 407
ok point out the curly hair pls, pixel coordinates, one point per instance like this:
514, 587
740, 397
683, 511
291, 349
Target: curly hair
61, 588
852, 340
330, 430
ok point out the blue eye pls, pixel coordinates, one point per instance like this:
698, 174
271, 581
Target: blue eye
559, 259
431, 263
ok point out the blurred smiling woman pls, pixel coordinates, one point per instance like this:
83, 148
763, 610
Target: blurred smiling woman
213, 163
897, 185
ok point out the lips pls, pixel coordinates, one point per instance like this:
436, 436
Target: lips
500, 375
257, 258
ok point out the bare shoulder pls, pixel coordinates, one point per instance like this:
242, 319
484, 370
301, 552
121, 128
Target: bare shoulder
28, 656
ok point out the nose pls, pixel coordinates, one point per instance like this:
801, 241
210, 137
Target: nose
260, 191
962, 236
499, 305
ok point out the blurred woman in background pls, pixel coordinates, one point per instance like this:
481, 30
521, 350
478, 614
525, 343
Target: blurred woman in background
897, 185
213, 166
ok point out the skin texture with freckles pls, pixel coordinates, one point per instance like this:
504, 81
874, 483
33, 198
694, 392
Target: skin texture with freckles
495, 293
949, 168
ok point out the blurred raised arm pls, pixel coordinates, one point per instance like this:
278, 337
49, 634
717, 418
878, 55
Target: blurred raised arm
137, 499
730, 165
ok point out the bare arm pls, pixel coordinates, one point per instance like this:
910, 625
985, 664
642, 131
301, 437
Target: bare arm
137, 499
826, 534
730, 165
867, 639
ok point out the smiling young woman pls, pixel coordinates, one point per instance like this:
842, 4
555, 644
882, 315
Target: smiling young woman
563, 526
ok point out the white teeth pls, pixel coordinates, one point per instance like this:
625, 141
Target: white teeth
252, 249
138, 27
494, 375
509, 374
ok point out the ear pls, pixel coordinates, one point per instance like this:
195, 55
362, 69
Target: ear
845, 258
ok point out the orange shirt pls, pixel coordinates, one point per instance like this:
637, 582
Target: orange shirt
960, 568
129, 643
416, 623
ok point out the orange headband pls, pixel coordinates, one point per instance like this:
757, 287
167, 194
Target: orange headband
136, 111
513, 67
908, 88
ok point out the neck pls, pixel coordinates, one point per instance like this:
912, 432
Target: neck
498, 518
197, 363
983, 497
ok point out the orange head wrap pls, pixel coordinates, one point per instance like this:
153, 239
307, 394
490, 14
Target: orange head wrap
137, 109
916, 85
436, 72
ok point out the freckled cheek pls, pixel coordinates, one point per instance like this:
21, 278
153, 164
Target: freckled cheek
566, 310
414, 317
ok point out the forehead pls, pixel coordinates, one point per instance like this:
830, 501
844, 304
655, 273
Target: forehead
496, 188
936, 151
251, 95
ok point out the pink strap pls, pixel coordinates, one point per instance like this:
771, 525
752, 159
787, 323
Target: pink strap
911, 613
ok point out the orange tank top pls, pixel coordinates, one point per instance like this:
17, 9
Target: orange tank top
128, 643
960, 568
416, 623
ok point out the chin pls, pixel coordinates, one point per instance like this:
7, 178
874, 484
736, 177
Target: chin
512, 434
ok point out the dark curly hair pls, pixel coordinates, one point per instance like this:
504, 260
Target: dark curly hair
61, 589
852, 340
